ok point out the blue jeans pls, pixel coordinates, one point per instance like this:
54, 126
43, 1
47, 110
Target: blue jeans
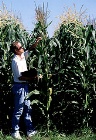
21, 106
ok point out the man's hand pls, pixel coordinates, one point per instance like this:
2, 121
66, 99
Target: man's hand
38, 39
40, 76
35, 44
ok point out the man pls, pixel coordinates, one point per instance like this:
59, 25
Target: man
20, 89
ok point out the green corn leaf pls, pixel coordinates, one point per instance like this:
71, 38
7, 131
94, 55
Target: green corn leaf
36, 92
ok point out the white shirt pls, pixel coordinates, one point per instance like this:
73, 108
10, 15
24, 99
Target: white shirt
19, 65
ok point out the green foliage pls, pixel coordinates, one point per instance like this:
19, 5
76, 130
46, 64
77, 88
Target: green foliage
78, 64
41, 62
67, 63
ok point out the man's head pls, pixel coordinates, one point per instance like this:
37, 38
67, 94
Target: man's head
16, 48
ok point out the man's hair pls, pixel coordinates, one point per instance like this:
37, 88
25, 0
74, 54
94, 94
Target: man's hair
13, 46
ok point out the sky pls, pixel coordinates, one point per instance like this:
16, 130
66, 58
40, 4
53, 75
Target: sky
25, 9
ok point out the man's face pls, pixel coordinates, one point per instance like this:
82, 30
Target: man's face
19, 49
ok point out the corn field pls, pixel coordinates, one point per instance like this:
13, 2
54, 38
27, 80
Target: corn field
64, 99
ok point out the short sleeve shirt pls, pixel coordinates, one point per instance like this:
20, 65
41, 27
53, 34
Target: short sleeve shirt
19, 65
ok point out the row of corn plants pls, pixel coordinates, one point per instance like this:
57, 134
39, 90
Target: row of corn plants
67, 63
77, 81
